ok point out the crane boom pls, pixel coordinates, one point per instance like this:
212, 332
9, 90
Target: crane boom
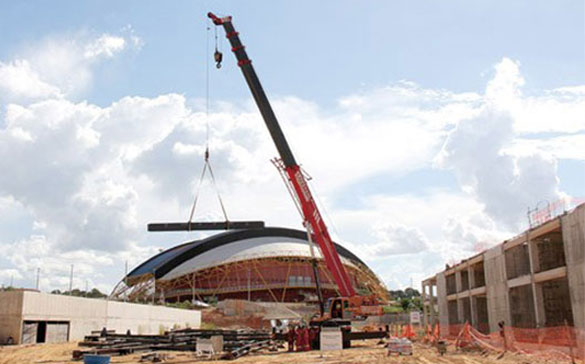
311, 215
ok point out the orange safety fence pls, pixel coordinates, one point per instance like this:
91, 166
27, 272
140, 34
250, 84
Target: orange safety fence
402, 331
558, 343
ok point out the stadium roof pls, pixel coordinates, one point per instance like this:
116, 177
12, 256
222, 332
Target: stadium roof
230, 246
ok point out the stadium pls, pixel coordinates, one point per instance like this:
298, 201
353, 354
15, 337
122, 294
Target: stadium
268, 264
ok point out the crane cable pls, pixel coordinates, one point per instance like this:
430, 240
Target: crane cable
207, 164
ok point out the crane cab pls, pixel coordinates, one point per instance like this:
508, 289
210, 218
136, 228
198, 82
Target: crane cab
338, 308
350, 308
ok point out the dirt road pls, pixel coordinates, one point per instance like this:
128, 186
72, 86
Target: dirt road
366, 352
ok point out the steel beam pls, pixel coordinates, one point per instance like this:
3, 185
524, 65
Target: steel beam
189, 226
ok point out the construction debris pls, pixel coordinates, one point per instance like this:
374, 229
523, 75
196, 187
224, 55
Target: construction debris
223, 344
154, 357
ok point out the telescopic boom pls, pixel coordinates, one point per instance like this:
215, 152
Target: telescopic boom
311, 215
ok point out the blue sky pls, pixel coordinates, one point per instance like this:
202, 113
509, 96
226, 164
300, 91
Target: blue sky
336, 47
429, 127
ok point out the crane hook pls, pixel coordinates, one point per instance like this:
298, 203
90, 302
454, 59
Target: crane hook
218, 56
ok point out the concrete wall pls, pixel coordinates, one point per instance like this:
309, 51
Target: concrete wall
573, 228
147, 319
85, 314
10, 313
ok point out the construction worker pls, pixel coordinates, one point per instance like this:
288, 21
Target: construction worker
503, 334
313, 333
306, 343
291, 338
299, 339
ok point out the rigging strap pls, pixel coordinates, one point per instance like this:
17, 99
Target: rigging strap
206, 167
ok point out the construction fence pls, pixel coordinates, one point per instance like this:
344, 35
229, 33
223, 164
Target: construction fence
554, 343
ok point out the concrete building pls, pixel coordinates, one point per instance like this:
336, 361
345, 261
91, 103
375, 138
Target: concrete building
34, 317
536, 279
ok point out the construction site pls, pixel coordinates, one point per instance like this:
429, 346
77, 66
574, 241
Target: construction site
251, 293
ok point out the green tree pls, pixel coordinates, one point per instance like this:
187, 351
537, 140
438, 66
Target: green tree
94, 293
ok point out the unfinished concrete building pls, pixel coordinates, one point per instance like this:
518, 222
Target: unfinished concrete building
535, 280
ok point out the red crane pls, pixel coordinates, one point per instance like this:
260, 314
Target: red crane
311, 215
349, 304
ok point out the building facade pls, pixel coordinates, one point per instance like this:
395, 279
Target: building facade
35, 317
534, 280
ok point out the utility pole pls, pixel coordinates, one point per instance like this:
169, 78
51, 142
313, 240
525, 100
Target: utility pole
125, 277
154, 288
249, 291
12, 281
71, 281
193, 283
38, 277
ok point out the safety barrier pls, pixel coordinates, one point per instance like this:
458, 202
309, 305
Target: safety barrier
555, 343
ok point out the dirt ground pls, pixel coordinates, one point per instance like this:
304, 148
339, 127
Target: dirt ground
366, 352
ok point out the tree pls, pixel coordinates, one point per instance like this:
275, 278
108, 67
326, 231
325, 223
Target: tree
407, 293
409, 299
94, 293
411, 292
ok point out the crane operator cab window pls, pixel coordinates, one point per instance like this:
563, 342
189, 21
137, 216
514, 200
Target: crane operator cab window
337, 309
340, 308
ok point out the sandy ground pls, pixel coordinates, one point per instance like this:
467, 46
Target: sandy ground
366, 352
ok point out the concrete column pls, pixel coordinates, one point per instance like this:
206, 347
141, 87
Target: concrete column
537, 299
539, 305
496, 287
434, 311
471, 282
442, 303
424, 304
471, 277
473, 311
458, 281
573, 230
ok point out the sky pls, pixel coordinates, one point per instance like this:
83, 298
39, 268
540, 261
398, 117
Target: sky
429, 128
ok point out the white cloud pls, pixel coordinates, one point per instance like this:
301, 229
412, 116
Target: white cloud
506, 184
91, 177
20, 83
559, 147
398, 239
90, 267
558, 110
8, 275
60, 66
107, 46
